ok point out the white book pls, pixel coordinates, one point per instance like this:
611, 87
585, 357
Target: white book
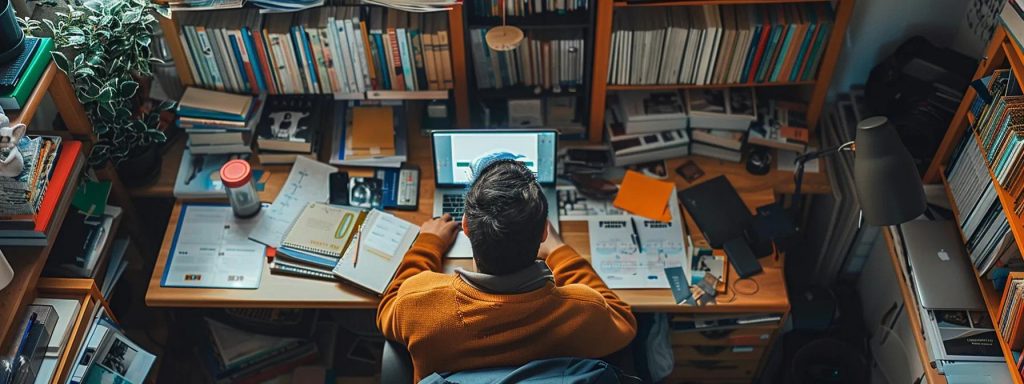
692, 44
364, 72
354, 69
377, 250
67, 315
339, 56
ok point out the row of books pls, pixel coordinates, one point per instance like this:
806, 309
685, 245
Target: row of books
1011, 314
713, 44
493, 8
998, 128
29, 202
548, 60
982, 221
327, 50
19, 77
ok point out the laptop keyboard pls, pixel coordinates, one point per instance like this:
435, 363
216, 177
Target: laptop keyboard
453, 205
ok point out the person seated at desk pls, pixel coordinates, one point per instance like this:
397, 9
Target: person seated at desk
515, 308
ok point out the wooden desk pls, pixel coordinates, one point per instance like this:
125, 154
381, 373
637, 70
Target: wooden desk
286, 291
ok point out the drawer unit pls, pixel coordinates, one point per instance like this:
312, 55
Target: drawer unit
757, 335
714, 370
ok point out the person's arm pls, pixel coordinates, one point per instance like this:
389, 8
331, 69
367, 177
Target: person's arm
568, 267
436, 237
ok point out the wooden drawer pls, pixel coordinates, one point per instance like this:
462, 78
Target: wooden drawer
717, 352
707, 370
760, 335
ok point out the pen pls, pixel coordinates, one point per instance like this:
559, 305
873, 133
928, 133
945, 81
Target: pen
636, 236
359, 237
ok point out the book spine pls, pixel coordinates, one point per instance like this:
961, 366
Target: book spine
255, 62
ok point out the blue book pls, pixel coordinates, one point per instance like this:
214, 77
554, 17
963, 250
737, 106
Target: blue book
254, 59
406, 58
310, 63
237, 56
753, 49
308, 258
382, 62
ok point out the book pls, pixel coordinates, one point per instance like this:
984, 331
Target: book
342, 153
204, 103
67, 313
726, 139
721, 108
323, 229
65, 170
647, 112
630, 149
290, 123
783, 125
199, 175
716, 152
376, 251
15, 97
11, 71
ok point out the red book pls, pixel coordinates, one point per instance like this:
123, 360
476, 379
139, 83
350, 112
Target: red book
63, 171
261, 52
766, 31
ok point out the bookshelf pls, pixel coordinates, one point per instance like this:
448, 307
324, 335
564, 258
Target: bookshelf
817, 88
458, 94
91, 301
1002, 52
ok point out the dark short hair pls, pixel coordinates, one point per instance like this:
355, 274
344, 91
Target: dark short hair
506, 212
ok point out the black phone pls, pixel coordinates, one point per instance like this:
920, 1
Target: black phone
339, 188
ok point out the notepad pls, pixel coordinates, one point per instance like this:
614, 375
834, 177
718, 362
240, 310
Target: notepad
323, 228
645, 196
381, 243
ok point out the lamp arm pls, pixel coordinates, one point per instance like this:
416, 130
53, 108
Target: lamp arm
803, 159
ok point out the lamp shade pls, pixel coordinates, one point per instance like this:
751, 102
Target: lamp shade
888, 185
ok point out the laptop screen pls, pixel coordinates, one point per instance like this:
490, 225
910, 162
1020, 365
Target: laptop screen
455, 151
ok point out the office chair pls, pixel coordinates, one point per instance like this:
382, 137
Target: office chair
396, 364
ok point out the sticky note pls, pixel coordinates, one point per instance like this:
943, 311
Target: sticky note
645, 196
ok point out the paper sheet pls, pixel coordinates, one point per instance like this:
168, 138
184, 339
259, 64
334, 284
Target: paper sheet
386, 236
212, 250
615, 257
306, 183
644, 196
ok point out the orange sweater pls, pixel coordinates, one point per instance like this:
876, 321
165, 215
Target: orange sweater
450, 326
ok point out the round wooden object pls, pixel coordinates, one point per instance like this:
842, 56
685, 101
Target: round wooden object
504, 38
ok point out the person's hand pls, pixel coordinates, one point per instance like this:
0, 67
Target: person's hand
443, 227
549, 245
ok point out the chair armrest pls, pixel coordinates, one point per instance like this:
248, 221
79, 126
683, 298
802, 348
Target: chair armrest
396, 364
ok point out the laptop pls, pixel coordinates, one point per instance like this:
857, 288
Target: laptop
455, 151
939, 266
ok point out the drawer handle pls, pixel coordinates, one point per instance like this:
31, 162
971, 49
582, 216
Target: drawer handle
709, 350
707, 364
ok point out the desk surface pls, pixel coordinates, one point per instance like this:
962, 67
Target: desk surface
286, 291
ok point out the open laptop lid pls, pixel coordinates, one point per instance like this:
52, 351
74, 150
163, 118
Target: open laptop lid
455, 150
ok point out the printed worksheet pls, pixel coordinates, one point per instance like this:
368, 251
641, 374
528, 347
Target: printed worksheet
629, 251
212, 249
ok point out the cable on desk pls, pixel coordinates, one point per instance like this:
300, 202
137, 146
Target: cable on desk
746, 287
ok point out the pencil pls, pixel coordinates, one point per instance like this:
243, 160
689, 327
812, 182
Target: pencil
359, 238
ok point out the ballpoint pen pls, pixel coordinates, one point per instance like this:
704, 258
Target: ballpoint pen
636, 236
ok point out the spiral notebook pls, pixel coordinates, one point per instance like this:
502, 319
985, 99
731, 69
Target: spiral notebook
324, 229
371, 262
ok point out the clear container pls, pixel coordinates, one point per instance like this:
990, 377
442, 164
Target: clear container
237, 178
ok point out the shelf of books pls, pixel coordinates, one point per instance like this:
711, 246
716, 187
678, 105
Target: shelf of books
351, 52
978, 162
716, 44
543, 81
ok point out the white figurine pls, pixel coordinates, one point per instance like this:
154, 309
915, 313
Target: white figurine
11, 162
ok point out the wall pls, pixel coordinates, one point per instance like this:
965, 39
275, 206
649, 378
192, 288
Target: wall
879, 26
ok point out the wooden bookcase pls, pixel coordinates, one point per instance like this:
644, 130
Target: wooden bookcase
458, 56
1002, 52
818, 88
91, 300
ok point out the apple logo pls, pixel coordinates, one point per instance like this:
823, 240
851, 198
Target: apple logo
943, 255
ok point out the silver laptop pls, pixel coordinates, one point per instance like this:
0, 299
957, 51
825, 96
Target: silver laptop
939, 265
455, 150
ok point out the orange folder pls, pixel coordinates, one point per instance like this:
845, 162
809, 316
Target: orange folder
644, 196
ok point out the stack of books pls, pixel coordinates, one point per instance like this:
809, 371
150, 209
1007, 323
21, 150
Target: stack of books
370, 136
646, 126
218, 122
719, 121
330, 50
237, 356
998, 129
719, 44
29, 202
782, 125
549, 60
109, 356
84, 243
982, 220
19, 77
291, 126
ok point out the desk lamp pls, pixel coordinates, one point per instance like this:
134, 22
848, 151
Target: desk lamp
888, 185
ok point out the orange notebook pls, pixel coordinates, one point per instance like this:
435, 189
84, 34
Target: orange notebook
645, 196
373, 129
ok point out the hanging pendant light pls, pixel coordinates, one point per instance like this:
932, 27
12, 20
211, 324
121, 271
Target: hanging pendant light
504, 37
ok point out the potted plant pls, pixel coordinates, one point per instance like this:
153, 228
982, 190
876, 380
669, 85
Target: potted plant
104, 48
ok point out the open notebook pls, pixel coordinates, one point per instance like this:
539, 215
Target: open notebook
381, 243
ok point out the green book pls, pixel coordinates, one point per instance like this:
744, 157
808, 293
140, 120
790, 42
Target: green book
16, 97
